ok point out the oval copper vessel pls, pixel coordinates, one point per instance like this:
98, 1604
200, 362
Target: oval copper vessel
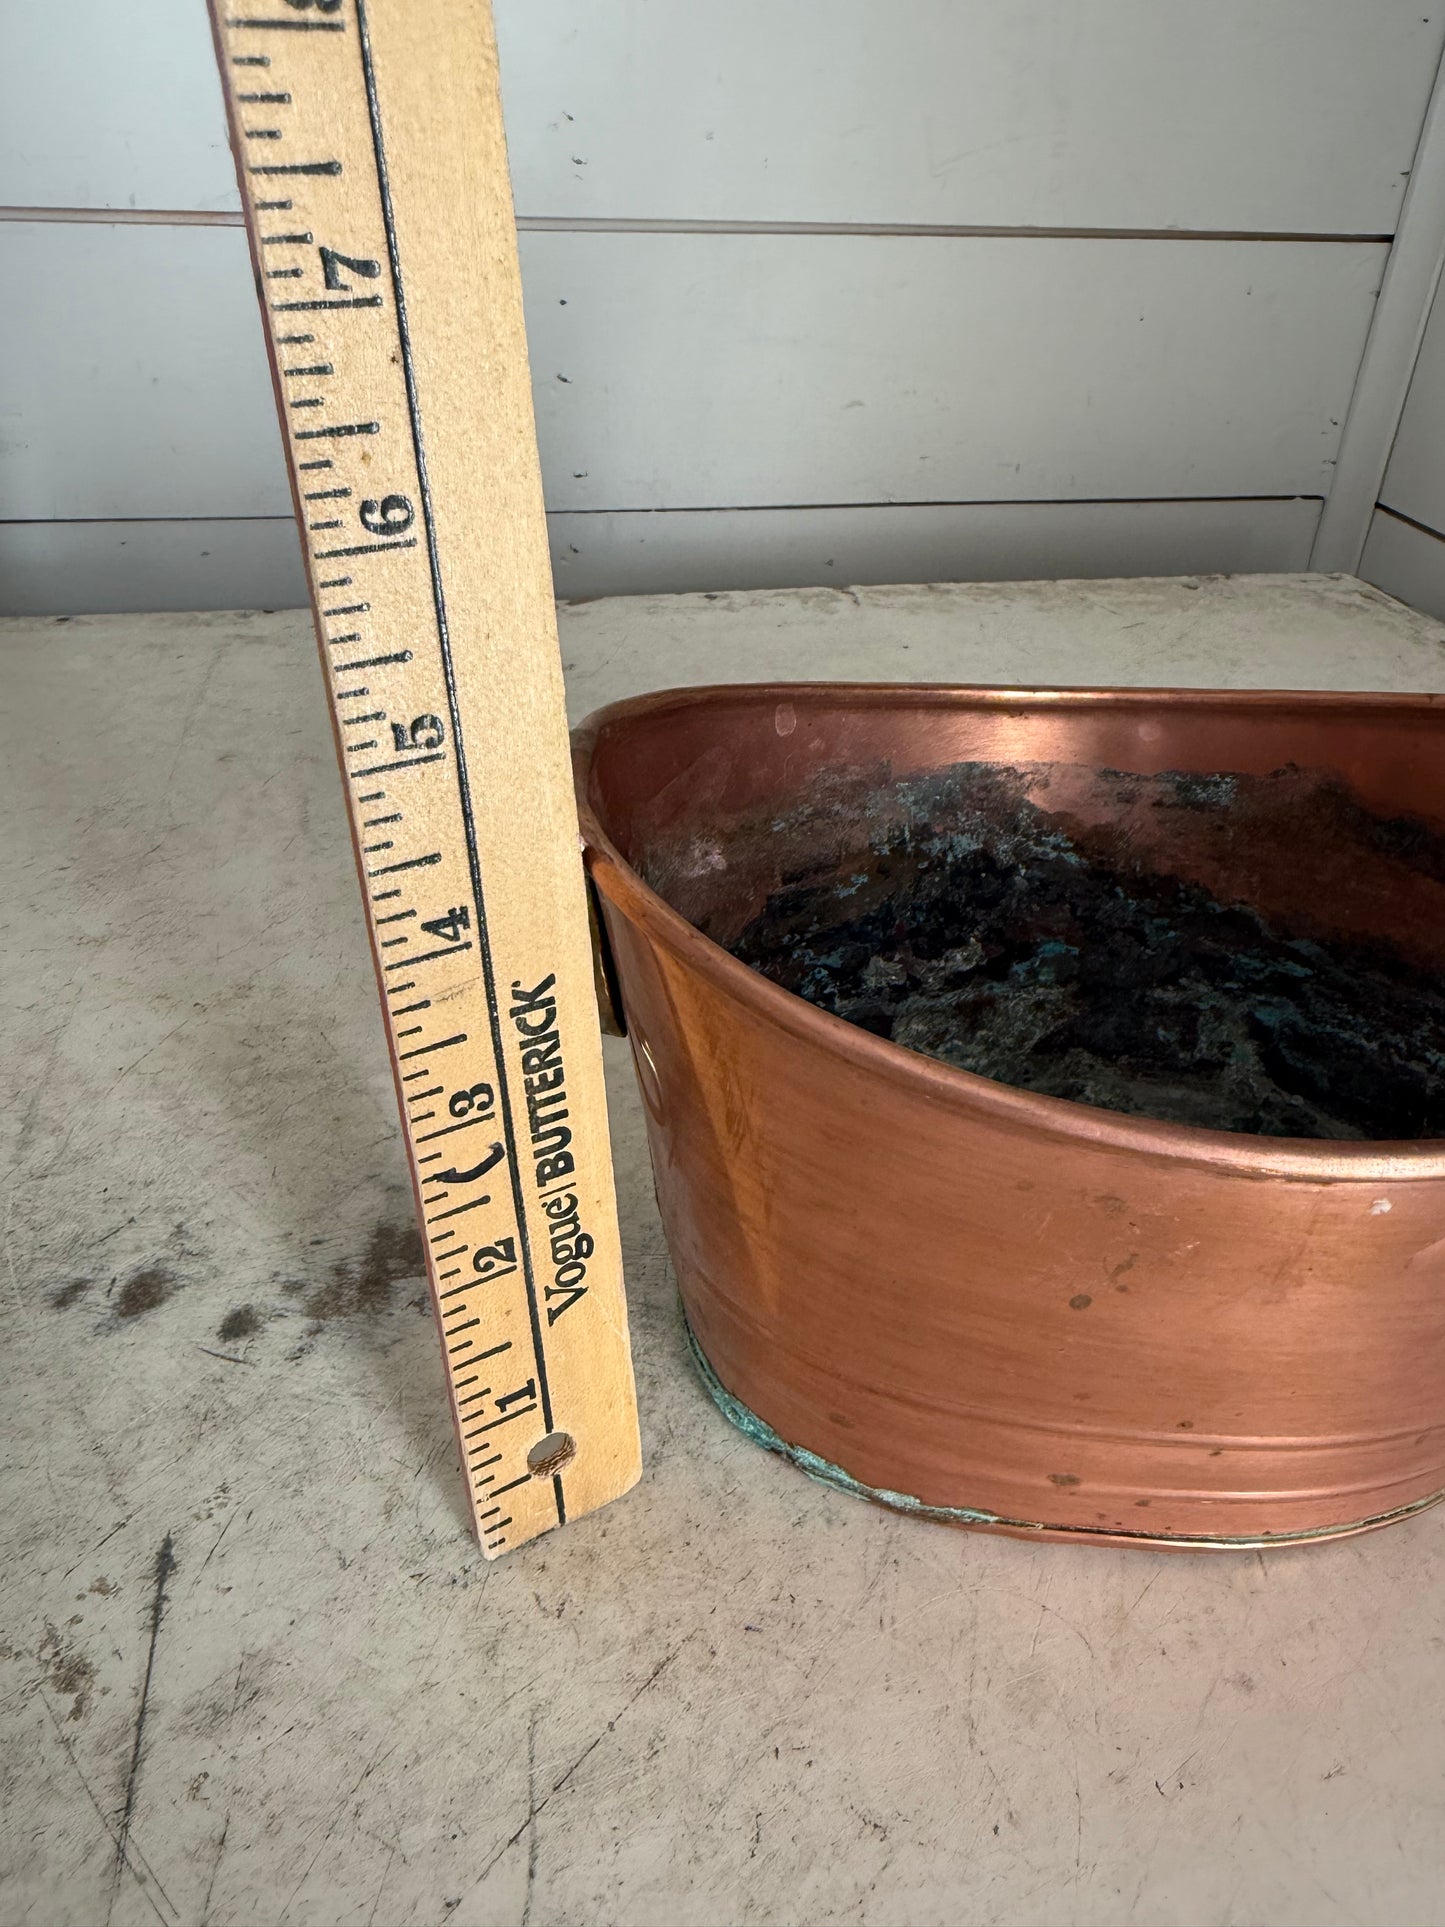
997, 1308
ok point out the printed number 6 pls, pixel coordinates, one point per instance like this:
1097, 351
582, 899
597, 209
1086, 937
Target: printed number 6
392, 515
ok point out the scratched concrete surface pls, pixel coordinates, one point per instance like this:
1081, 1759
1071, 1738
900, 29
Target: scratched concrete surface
254, 1669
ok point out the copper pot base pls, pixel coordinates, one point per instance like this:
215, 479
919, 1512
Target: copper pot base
965, 1518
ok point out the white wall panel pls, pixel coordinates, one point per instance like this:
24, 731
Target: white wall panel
1253, 114
1408, 563
674, 371
133, 378
107, 104
623, 554
90, 568
1415, 478
688, 371
80, 568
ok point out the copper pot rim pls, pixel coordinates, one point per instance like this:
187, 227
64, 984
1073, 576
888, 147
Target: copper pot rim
1307, 1160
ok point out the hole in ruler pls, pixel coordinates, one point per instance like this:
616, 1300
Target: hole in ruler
550, 1454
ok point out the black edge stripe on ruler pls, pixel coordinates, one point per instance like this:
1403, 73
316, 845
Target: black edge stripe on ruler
484, 944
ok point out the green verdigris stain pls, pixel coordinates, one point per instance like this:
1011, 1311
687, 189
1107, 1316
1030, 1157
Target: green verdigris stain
826, 1473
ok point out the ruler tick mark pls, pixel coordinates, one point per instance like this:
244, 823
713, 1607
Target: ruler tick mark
361, 548
457, 1210
445, 1044
351, 608
411, 863
341, 428
267, 100
302, 307
380, 769
377, 662
470, 1125
289, 26
397, 916
427, 956
334, 524
350, 695
317, 368
295, 167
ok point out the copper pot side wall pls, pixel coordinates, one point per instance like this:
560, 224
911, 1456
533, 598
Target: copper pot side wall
990, 1301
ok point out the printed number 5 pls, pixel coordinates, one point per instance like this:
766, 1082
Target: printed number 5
425, 732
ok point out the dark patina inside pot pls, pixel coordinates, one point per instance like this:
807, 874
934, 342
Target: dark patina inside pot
1022, 1067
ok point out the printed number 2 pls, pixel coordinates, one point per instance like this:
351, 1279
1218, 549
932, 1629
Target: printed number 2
495, 1261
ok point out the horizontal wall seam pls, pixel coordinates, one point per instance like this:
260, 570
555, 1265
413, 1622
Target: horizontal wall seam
746, 508
1424, 528
569, 224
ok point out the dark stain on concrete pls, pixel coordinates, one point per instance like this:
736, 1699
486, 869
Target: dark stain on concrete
1080, 1301
67, 1295
67, 1672
241, 1323
362, 1287
143, 1291
1062, 1478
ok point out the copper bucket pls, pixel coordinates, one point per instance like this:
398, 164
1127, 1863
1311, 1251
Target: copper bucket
975, 1302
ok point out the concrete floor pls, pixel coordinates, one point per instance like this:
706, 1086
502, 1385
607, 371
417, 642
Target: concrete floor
255, 1670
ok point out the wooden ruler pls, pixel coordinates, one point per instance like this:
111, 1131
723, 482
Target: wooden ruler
369, 145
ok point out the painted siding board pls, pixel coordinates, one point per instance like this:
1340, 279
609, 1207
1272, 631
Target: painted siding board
687, 371
1407, 563
1415, 478
1281, 115
1287, 115
996, 542
116, 402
